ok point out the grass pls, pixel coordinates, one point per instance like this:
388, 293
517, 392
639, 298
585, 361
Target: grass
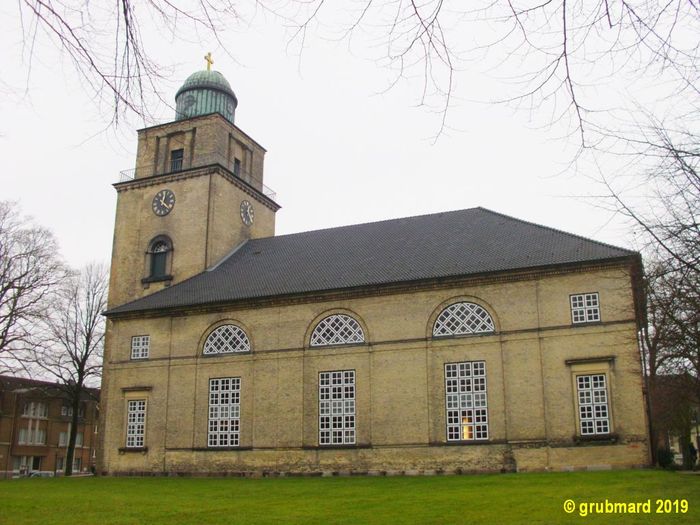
500, 498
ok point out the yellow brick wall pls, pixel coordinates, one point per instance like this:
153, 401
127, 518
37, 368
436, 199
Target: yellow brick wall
400, 394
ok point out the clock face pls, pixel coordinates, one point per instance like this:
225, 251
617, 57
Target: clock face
247, 213
163, 202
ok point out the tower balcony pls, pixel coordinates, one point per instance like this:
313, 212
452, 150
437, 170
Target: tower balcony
177, 166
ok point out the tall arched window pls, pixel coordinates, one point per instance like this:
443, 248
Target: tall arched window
463, 319
337, 329
227, 339
160, 254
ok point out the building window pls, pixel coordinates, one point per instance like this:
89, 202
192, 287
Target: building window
35, 409
224, 412
79, 439
176, 158
463, 319
227, 339
136, 423
59, 463
585, 308
77, 464
159, 252
237, 167
63, 439
336, 408
337, 329
140, 345
31, 436
466, 401
594, 417
66, 411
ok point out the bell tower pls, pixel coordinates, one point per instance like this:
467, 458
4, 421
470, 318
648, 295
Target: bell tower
195, 195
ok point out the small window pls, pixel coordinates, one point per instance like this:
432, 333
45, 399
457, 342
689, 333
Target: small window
466, 401
63, 439
463, 319
66, 411
227, 339
237, 167
337, 329
79, 439
140, 345
59, 463
136, 423
35, 409
585, 308
594, 416
336, 408
176, 158
159, 252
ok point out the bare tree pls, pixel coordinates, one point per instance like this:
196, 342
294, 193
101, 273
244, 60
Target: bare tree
30, 270
71, 351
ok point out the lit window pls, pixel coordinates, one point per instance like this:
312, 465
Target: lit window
136, 423
140, 345
227, 339
224, 412
594, 417
585, 308
466, 401
176, 157
337, 329
336, 421
463, 319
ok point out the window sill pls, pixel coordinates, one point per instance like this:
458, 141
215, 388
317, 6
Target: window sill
124, 450
158, 279
466, 442
602, 439
336, 447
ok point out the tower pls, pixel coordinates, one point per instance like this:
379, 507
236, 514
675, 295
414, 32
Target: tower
195, 195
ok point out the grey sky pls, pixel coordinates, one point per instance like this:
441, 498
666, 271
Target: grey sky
339, 150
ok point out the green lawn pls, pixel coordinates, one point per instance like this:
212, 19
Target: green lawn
499, 498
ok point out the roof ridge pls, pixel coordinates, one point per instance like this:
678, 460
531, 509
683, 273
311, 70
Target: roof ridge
557, 230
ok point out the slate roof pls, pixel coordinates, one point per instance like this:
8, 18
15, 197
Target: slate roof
449, 244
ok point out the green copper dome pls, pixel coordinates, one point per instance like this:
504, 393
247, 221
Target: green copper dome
205, 92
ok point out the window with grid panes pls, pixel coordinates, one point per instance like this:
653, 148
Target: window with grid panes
585, 308
224, 412
336, 421
594, 417
466, 401
140, 346
227, 339
337, 329
463, 319
136, 423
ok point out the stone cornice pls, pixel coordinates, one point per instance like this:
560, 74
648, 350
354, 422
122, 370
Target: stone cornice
209, 169
501, 277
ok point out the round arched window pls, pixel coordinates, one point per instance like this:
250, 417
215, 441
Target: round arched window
226, 339
337, 329
463, 319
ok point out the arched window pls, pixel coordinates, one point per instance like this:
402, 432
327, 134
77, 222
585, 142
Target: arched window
227, 339
159, 252
337, 329
463, 319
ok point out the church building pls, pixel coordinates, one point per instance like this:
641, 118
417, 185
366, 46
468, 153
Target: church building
463, 341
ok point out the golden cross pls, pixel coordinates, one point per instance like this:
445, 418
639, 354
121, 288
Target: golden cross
209, 60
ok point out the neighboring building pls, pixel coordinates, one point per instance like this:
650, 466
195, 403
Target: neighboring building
35, 419
460, 341
676, 414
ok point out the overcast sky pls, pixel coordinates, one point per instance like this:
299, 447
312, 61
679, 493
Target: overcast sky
341, 149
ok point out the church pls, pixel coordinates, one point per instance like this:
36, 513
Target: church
463, 341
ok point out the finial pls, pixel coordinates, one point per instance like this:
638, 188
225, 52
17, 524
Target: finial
209, 60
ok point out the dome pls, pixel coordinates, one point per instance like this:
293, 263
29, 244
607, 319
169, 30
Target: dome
205, 92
